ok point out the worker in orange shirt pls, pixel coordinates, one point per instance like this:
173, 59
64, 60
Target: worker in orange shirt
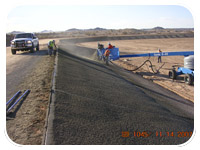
110, 46
107, 53
106, 56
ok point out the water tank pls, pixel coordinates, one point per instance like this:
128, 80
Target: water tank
189, 62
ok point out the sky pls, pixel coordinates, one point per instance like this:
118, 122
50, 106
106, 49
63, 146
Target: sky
36, 18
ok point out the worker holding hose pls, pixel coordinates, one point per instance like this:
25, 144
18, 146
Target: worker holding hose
106, 56
51, 45
107, 53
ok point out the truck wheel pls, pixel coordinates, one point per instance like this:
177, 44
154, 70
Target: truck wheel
37, 48
13, 51
172, 74
32, 50
189, 79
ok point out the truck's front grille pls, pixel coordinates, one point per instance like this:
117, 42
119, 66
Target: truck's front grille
20, 43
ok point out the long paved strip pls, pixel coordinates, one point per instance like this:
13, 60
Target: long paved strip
96, 104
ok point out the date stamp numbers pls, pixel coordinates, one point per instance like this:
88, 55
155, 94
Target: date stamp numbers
146, 134
184, 134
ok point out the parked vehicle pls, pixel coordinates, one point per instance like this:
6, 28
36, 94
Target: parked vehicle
24, 42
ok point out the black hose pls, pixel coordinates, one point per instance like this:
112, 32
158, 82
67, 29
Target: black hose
155, 72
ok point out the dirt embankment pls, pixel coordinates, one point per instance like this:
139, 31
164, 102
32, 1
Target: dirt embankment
26, 126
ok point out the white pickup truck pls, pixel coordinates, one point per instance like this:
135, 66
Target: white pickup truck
24, 42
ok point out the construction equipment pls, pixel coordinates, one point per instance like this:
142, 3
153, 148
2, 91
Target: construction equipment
114, 54
187, 70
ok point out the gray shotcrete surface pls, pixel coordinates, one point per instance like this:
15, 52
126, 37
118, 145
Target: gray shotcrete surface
95, 104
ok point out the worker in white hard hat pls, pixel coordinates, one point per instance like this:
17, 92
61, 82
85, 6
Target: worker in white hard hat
51, 45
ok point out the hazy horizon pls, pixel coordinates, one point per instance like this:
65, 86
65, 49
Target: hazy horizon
61, 18
97, 27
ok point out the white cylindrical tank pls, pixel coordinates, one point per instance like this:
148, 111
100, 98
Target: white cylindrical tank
189, 62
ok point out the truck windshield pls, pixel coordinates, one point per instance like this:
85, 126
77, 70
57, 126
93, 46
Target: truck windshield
27, 35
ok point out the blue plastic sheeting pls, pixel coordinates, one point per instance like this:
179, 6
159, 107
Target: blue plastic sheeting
185, 53
114, 53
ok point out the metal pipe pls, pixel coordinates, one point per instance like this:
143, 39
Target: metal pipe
13, 97
184, 53
18, 100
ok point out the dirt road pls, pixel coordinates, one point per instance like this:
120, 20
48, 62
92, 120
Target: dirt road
33, 71
18, 67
